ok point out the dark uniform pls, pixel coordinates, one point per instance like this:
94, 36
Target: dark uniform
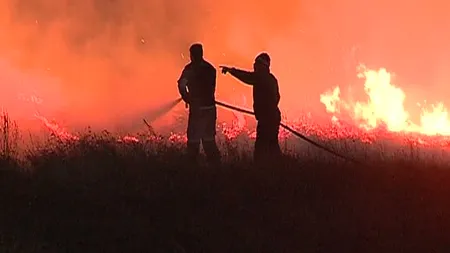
197, 85
266, 98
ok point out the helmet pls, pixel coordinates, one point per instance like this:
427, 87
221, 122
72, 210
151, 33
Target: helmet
264, 59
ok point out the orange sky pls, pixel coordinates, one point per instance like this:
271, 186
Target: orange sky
96, 61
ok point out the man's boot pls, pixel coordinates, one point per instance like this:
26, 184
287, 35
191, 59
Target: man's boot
212, 152
193, 150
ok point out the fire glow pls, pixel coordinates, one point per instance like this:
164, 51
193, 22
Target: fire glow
382, 116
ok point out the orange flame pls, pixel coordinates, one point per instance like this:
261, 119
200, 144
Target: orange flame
385, 106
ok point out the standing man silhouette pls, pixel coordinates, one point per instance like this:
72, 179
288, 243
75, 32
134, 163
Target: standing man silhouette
197, 86
266, 98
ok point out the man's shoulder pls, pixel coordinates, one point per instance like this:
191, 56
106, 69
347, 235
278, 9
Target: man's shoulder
274, 78
203, 65
188, 66
208, 65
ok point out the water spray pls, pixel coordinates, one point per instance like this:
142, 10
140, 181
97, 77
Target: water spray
162, 110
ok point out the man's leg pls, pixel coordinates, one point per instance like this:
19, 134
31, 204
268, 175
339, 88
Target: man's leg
193, 151
260, 152
212, 152
267, 147
274, 144
193, 142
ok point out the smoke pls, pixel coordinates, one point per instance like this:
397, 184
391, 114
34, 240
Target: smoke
96, 62
111, 58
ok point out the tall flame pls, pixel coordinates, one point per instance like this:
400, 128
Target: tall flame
385, 107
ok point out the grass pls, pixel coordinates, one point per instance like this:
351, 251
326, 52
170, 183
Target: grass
98, 195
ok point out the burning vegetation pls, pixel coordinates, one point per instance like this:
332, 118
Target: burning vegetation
381, 117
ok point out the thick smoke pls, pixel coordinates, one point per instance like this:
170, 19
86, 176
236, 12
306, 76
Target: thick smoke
112, 58
95, 62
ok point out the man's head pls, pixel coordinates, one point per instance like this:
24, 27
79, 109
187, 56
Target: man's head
196, 52
262, 63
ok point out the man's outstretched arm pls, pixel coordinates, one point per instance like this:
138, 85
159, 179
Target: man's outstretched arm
242, 75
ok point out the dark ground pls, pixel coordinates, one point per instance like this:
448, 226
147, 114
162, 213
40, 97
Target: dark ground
98, 197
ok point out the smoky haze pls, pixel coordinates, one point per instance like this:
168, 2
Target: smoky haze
95, 62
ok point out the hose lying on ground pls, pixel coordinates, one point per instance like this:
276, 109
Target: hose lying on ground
301, 136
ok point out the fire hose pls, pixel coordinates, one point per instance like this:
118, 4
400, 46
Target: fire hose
292, 131
299, 135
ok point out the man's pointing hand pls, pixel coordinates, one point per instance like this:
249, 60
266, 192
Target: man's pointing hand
225, 69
